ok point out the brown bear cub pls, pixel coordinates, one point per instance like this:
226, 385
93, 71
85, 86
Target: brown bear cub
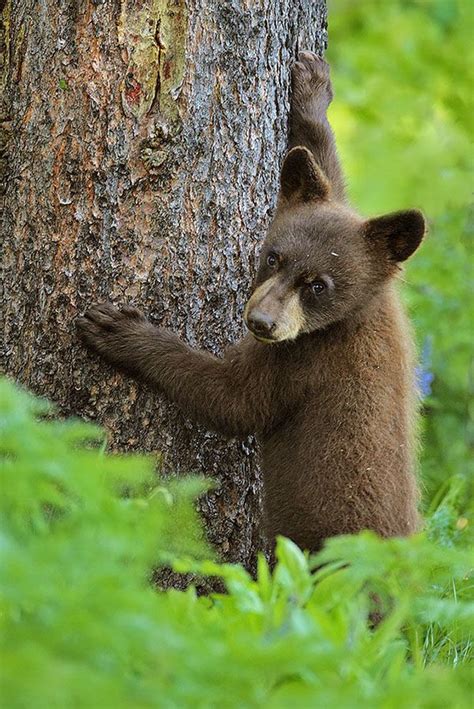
325, 379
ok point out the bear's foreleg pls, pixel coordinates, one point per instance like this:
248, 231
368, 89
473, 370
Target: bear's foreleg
231, 395
309, 126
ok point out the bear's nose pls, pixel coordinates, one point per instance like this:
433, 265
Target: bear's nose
261, 324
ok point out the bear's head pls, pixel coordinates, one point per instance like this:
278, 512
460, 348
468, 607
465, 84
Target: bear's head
322, 263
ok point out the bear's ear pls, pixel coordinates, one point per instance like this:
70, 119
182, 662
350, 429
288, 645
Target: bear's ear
302, 180
400, 233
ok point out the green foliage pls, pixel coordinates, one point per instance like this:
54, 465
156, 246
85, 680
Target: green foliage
403, 119
81, 532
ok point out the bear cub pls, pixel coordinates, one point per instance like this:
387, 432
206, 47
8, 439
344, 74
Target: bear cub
325, 376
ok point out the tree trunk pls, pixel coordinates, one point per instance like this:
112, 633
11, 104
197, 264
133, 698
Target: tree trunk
143, 143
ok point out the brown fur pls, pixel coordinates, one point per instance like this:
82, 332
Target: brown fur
329, 388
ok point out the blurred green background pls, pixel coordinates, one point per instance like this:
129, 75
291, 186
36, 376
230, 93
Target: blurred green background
403, 74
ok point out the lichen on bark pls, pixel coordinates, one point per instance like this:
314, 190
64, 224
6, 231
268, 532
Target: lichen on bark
152, 35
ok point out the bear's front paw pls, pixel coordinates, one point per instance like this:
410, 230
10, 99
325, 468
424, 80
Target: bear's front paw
112, 333
311, 83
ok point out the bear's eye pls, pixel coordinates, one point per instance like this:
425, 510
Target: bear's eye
272, 259
317, 287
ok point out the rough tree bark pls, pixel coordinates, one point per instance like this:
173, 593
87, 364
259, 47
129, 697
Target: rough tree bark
141, 141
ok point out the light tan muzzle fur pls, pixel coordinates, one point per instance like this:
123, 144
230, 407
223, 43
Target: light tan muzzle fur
282, 304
